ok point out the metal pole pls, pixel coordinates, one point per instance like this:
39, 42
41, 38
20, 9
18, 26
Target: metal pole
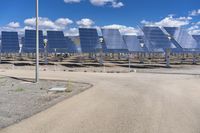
37, 45
167, 57
0, 51
129, 62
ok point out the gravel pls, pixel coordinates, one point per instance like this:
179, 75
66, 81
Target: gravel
21, 98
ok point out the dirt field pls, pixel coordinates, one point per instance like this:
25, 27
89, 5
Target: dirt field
21, 98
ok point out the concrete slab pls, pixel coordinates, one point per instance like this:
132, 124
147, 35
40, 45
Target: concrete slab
57, 89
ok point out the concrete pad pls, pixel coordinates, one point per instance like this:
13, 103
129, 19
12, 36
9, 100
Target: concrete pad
57, 89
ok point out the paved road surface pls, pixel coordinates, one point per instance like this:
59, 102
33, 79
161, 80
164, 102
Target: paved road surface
119, 103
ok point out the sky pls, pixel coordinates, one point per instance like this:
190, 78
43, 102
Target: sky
126, 15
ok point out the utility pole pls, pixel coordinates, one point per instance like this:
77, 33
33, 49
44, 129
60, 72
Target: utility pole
37, 44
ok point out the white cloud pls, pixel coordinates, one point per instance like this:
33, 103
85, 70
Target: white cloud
123, 29
195, 12
18, 29
63, 21
47, 24
71, 32
113, 3
72, 1
85, 23
169, 21
14, 25
194, 29
117, 4
198, 23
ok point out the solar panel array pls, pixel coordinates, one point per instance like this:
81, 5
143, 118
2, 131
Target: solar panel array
134, 44
89, 39
156, 40
114, 41
10, 42
56, 41
30, 41
186, 41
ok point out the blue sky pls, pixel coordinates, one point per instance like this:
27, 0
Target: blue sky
68, 15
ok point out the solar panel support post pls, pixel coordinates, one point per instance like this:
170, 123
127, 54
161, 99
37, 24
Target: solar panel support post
45, 51
0, 54
194, 57
129, 62
37, 44
101, 56
167, 57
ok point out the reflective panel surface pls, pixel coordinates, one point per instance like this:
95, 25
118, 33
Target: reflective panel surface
114, 42
9, 42
30, 41
89, 40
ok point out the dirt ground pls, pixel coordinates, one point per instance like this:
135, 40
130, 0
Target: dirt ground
154, 102
21, 98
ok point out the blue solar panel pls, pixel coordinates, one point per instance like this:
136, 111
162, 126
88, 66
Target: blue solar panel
77, 42
185, 40
10, 42
23, 40
89, 40
156, 40
134, 44
56, 41
71, 46
30, 41
114, 41
103, 45
197, 38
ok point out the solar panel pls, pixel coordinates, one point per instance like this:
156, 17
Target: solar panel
77, 42
30, 41
56, 41
134, 44
156, 40
23, 40
103, 45
10, 42
114, 41
71, 46
186, 41
197, 38
89, 40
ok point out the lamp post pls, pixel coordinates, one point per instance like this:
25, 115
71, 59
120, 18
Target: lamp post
37, 44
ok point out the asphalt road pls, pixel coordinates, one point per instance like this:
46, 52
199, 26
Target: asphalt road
119, 103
